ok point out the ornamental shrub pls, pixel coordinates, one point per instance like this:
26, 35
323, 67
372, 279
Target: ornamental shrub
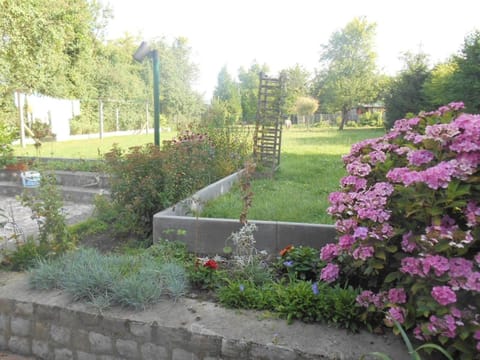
408, 223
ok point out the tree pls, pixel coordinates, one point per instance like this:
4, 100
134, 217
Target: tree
406, 93
297, 79
438, 86
177, 75
348, 72
46, 45
227, 94
249, 83
466, 82
306, 106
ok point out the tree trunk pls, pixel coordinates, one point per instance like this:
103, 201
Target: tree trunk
344, 118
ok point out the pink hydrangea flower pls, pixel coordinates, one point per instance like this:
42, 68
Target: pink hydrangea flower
411, 266
330, 273
397, 296
420, 157
396, 313
439, 264
329, 252
407, 245
363, 252
444, 295
346, 241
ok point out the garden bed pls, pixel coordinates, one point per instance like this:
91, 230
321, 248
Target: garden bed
48, 324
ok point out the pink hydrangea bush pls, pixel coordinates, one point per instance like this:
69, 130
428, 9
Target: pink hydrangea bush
408, 221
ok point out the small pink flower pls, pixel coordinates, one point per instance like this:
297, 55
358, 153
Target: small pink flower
330, 273
397, 296
329, 252
444, 295
396, 313
363, 252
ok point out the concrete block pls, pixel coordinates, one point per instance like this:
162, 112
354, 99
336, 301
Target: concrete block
180, 354
47, 313
205, 344
63, 354
115, 327
313, 235
4, 323
141, 330
127, 348
3, 341
41, 330
272, 352
6, 306
19, 345
68, 318
153, 352
20, 326
23, 309
40, 349
60, 335
80, 340
85, 356
234, 349
100, 343
88, 320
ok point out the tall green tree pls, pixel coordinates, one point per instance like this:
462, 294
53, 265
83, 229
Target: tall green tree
296, 85
46, 45
227, 96
178, 73
466, 81
306, 106
406, 93
438, 87
249, 83
348, 69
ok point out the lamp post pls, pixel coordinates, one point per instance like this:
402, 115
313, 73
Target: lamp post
139, 55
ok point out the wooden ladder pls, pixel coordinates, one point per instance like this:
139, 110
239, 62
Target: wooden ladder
268, 129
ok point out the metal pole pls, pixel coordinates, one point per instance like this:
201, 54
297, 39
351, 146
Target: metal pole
156, 97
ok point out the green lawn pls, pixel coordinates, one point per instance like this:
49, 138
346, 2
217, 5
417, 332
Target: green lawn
311, 168
90, 148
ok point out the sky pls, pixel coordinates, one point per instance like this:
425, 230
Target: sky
283, 33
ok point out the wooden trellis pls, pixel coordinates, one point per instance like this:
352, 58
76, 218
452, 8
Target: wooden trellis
268, 129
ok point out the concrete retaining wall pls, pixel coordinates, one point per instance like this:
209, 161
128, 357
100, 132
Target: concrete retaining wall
208, 236
48, 325
77, 186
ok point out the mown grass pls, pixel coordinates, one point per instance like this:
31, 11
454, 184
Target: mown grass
310, 169
89, 148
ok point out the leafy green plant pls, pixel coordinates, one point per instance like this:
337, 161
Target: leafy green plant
7, 135
299, 262
46, 205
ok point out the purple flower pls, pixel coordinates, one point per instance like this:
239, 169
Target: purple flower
396, 313
411, 266
288, 263
361, 232
420, 157
330, 273
241, 287
407, 245
329, 252
439, 264
397, 296
444, 295
315, 288
363, 252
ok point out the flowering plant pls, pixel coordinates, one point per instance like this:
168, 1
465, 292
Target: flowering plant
211, 264
408, 219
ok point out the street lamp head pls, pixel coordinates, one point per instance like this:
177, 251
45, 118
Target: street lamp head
142, 51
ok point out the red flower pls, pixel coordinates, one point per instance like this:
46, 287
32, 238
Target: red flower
286, 249
212, 264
